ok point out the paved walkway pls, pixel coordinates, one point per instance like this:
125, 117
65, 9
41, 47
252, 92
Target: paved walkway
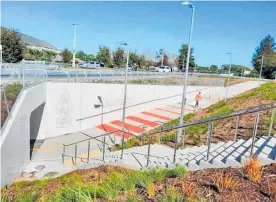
49, 153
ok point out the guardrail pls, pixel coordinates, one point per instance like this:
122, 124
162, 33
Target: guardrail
210, 121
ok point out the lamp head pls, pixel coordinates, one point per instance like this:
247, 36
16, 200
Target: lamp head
187, 3
123, 43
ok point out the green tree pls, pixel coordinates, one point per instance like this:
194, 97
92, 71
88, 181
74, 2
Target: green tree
66, 55
267, 50
104, 55
12, 46
161, 53
118, 57
213, 68
85, 57
142, 62
183, 52
133, 59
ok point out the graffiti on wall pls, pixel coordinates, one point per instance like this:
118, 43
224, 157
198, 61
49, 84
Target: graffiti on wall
63, 110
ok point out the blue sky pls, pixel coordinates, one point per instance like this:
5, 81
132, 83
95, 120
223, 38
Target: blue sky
220, 27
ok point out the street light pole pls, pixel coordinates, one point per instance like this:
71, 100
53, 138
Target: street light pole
179, 132
124, 103
162, 58
74, 46
261, 71
229, 71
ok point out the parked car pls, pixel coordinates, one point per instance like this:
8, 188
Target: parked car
175, 69
130, 69
189, 70
164, 69
91, 64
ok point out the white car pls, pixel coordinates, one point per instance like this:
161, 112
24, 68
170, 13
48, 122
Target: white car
164, 69
91, 65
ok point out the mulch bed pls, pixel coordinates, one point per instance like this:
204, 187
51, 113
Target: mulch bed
195, 185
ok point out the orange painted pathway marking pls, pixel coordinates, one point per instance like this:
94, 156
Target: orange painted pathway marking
174, 106
157, 116
110, 129
128, 126
180, 108
167, 111
143, 121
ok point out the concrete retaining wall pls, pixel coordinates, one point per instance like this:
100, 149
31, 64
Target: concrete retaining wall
70, 104
15, 139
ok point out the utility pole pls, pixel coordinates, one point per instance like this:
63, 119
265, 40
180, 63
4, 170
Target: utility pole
162, 57
74, 46
229, 71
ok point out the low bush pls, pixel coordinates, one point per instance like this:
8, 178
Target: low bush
171, 194
178, 171
224, 181
268, 90
252, 169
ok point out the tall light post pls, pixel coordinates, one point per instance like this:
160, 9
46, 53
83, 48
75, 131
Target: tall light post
229, 71
124, 103
261, 71
179, 132
162, 57
74, 46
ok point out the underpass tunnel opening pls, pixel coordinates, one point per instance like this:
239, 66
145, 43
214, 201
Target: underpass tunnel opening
35, 121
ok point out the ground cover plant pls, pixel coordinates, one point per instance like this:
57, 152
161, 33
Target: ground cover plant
112, 183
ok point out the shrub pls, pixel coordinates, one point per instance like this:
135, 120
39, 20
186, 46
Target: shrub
129, 181
178, 171
252, 169
111, 188
216, 106
151, 190
224, 181
222, 111
28, 197
133, 196
272, 191
268, 90
170, 194
197, 129
143, 179
157, 174
189, 192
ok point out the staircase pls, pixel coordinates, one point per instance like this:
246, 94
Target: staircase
222, 154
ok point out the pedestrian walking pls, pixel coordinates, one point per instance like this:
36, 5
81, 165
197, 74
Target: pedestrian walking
198, 97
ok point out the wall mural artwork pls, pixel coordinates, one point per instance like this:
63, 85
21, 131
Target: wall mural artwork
63, 110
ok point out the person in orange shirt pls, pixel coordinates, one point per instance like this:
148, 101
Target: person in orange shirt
198, 97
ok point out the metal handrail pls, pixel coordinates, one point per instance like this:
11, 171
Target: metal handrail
211, 119
256, 109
